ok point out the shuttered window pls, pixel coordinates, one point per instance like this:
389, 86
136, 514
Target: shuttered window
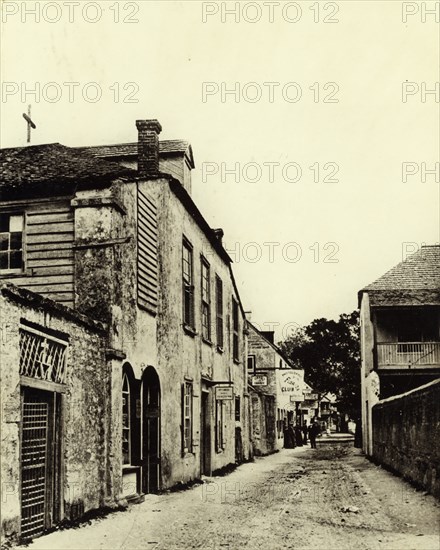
126, 454
187, 414
187, 284
235, 329
206, 300
147, 251
219, 311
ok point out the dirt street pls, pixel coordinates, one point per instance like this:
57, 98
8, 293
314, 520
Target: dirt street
299, 498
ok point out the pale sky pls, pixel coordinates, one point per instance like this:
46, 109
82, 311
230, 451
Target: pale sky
360, 60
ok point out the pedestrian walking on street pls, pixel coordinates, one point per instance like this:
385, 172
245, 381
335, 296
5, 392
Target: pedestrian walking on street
298, 436
313, 433
304, 431
289, 437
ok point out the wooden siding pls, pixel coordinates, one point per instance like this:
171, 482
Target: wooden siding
48, 255
147, 278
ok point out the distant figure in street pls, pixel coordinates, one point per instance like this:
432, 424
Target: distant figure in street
289, 437
304, 431
314, 431
298, 436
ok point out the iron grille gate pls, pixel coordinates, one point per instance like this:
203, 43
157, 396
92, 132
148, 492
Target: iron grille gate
36, 447
42, 361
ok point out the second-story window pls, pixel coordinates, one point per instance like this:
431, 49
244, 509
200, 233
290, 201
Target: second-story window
235, 329
187, 283
219, 311
237, 408
206, 300
11, 242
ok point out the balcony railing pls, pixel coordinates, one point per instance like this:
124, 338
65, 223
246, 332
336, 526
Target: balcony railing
408, 354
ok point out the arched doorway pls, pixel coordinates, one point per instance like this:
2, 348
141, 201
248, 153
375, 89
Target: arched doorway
150, 431
131, 478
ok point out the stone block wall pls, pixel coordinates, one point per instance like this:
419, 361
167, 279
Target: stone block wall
406, 432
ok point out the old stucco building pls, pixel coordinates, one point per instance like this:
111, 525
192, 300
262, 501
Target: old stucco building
277, 391
57, 458
113, 234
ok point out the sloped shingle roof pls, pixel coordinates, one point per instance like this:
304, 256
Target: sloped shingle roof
119, 150
415, 281
53, 169
419, 271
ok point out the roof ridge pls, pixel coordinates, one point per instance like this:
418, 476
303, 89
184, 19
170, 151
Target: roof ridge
419, 271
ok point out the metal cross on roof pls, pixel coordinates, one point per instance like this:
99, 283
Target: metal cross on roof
30, 124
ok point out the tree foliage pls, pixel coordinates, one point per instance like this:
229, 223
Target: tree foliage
329, 353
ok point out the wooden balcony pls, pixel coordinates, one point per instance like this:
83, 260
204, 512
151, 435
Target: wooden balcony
417, 355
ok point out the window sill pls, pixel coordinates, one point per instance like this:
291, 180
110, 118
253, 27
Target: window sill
220, 349
237, 361
188, 455
207, 342
189, 330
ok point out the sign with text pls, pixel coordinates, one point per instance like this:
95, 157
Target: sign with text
224, 393
291, 384
311, 396
259, 380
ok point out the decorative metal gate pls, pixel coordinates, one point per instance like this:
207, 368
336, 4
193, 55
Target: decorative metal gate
42, 375
35, 451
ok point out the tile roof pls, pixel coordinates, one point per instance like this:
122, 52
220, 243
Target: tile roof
413, 282
53, 169
118, 150
419, 271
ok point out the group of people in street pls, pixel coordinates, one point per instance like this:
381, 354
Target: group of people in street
297, 436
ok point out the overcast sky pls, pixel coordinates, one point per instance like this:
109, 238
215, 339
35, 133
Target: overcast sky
337, 103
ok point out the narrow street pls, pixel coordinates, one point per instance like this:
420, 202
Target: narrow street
299, 498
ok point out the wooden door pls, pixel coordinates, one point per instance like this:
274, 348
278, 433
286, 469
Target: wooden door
151, 443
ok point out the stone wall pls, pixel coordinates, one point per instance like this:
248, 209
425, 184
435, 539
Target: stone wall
406, 432
84, 430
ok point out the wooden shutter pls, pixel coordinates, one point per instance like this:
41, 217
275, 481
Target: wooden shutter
147, 252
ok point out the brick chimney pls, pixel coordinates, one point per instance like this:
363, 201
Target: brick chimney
269, 335
148, 147
219, 233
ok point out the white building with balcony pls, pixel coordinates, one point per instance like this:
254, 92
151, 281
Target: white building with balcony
400, 331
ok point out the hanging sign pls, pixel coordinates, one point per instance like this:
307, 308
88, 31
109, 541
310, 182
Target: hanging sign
311, 396
224, 393
291, 384
259, 380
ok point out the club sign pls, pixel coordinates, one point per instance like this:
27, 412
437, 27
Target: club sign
291, 384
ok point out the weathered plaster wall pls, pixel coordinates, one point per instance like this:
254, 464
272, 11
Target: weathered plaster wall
106, 289
84, 429
184, 357
406, 432
267, 361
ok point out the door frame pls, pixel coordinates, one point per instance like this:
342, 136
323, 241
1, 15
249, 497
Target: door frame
205, 433
53, 505
150, 378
